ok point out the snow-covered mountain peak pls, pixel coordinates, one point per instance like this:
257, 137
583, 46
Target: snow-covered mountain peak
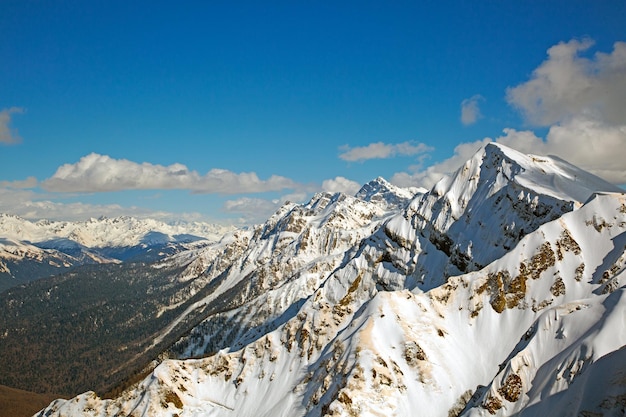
380, 191
481, 211
324, 210
496, 166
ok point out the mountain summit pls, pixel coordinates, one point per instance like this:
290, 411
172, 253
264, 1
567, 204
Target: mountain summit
383, 192
500, 291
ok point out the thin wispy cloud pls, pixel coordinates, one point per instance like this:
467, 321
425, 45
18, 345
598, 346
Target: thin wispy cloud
381, 150
34, 206
9, 136
98, 173
470, 110
30, 182
428, 177
257, 210
251, 210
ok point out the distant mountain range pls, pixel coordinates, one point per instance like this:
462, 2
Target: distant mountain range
32, 250
500, 291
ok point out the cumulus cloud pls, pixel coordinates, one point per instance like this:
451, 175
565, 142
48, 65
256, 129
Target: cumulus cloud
341, 185
12, 200
380, 150
7, 135
568, 85
595, 146
587, 144
582, 100
96, 173
257, 210
470, 112
297, 197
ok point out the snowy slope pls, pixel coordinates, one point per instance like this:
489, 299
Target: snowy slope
343, 307
12, 250
31, 250
21, 262
108, 232
478, 214
260, 275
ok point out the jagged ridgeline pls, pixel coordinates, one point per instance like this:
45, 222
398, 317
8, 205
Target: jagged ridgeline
498, 291
34, 250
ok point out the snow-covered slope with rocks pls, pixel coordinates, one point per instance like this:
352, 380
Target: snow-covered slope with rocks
29, 250
391, 197
480, 213
498, 292
259, 276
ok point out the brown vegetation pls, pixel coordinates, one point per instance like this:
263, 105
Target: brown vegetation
19, 403
170, 397
511, 390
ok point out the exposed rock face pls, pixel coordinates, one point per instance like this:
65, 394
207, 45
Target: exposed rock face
500, 290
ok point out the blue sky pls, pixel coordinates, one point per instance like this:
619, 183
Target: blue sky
219, 111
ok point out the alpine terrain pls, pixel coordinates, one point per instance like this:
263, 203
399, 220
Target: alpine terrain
500, 291
33, 250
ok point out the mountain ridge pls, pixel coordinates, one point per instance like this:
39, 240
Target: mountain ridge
460, 303
102, 232
32, 250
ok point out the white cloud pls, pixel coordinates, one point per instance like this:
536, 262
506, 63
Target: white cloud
470, 112
30, 182
582, 100
380, 150
96, 173
567, 85
592, 145
428, 177
587, 144
8, 136
258, 210
251, 206
11, 200
297, 197
34, 206
341, 185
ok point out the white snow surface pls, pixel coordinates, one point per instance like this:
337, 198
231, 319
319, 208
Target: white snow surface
66, 244
107, 232
501, 291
